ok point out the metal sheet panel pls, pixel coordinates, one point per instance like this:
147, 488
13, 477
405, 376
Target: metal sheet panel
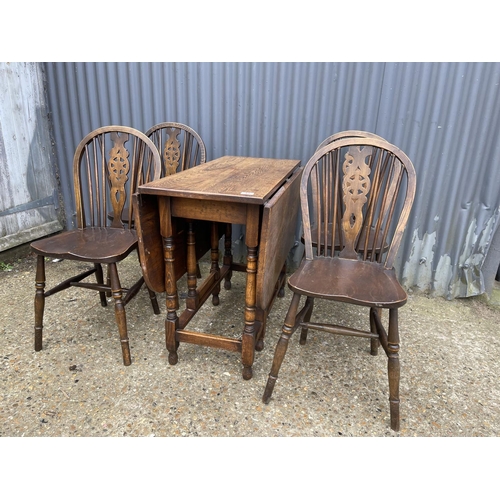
443, 115
446, 118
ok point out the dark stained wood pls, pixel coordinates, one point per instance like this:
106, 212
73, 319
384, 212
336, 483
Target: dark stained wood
210, 210
109, 164
150, 242
323, 235
39, 300
356, 195
372, 244
354, 281
278, 230
230, 178
90, 244
147, 220
227, 190
209, 340
181, 148
203, 231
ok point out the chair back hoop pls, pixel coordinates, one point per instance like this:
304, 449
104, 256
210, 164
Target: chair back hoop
108, 166
180, 146
359, 190
346, 134
335, 137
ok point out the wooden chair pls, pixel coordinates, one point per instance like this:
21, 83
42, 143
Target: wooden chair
108, 166
182, 148
376, 183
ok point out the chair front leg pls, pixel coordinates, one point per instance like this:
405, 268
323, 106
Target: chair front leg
39, 300
121, 320
282, 346
393, 368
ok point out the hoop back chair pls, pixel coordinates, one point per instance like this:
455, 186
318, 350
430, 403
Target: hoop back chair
108, 166
375, 182
182, 148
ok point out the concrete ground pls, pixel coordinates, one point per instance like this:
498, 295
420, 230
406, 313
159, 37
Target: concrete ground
78, 386
331, 387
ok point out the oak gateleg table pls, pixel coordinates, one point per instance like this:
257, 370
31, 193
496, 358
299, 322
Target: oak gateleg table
180, 217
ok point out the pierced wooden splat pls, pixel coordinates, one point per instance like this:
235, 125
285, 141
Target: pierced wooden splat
118, 168
172, 151
355, 187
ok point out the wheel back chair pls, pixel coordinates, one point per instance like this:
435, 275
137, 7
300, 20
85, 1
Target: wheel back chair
356, 194
182, 148
108, 166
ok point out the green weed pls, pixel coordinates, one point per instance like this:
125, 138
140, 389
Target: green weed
5, 267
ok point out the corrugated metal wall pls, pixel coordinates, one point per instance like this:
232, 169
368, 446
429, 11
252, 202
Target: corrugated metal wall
443, 115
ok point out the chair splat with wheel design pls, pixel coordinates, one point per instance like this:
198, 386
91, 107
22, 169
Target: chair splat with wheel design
337, 240
182, 148
352, 188
108, 166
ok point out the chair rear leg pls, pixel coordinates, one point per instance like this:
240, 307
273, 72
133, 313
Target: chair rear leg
307, 318
393, 367
121, 320
100, 280
39, 300
108, 282
154, 300
281, 291
281, 346
214, 255
152, 295
374, 343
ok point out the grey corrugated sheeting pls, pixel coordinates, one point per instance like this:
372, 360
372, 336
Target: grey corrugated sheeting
445, 116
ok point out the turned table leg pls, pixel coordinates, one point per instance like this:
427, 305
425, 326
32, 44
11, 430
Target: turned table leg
172, 301
249, 332
248, 340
